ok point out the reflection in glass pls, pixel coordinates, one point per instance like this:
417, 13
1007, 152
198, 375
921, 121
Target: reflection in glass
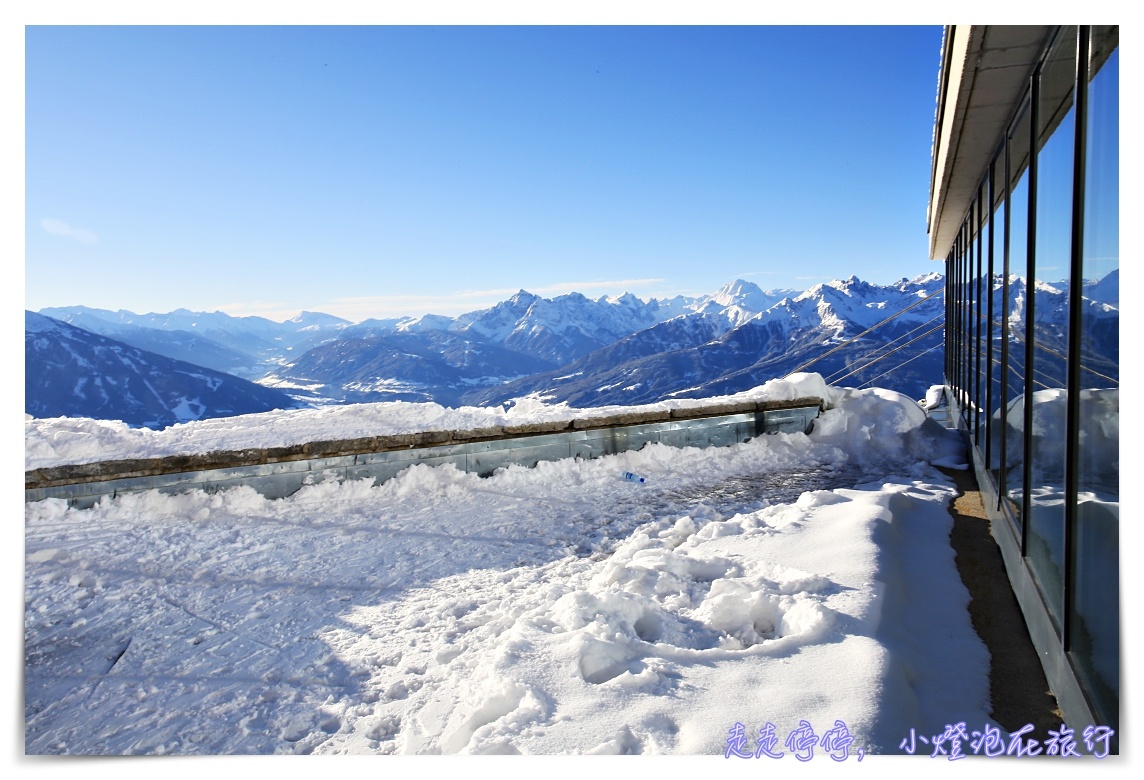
966, 353
1047, 369
1013, 443
1095, 631
996, 320
980, 321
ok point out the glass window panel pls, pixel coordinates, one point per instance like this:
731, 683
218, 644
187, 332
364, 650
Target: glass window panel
996, 321
980, 324
1095, 633
1013, 488
963, 327
1047, 368
968, 293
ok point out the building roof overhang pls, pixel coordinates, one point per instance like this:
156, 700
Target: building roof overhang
985, 71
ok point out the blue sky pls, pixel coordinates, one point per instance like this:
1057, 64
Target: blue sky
383, 171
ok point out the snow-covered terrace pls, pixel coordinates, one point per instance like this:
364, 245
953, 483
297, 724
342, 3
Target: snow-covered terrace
792, 582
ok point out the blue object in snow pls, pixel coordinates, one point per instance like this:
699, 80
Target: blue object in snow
630, 477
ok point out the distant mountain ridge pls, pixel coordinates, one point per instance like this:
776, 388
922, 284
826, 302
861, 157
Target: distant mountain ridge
72, 372
724, 350
244, 346
608, 350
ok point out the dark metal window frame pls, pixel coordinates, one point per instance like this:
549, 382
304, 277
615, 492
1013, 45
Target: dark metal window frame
964, 339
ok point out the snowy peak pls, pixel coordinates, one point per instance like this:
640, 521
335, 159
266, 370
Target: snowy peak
924, 280
317, 319
498, 322
1106, 291
424, 323
626, 300
560, 329
743, 294
835, 290
720, 346
854, 287
844, 308
748, 296
523, 298
739, 302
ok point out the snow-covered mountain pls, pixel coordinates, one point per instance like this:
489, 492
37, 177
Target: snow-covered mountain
1100, 340
561, 329
175, 344
517, 338
1106, 290
432, 365
443, 358
739, 302
710, 351
72, 372
245, 346
620, 350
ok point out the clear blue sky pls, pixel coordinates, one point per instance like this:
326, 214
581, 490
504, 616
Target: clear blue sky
381, 171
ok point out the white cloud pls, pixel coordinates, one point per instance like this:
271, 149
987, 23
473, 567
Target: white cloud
58, 227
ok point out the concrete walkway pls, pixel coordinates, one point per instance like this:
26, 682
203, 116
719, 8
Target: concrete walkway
1018, 688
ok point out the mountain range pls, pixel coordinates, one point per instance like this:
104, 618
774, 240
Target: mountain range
69, 371
571, 348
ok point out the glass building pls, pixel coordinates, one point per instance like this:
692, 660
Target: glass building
1024, 210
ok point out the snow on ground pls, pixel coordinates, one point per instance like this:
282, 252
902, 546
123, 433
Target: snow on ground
553, 610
